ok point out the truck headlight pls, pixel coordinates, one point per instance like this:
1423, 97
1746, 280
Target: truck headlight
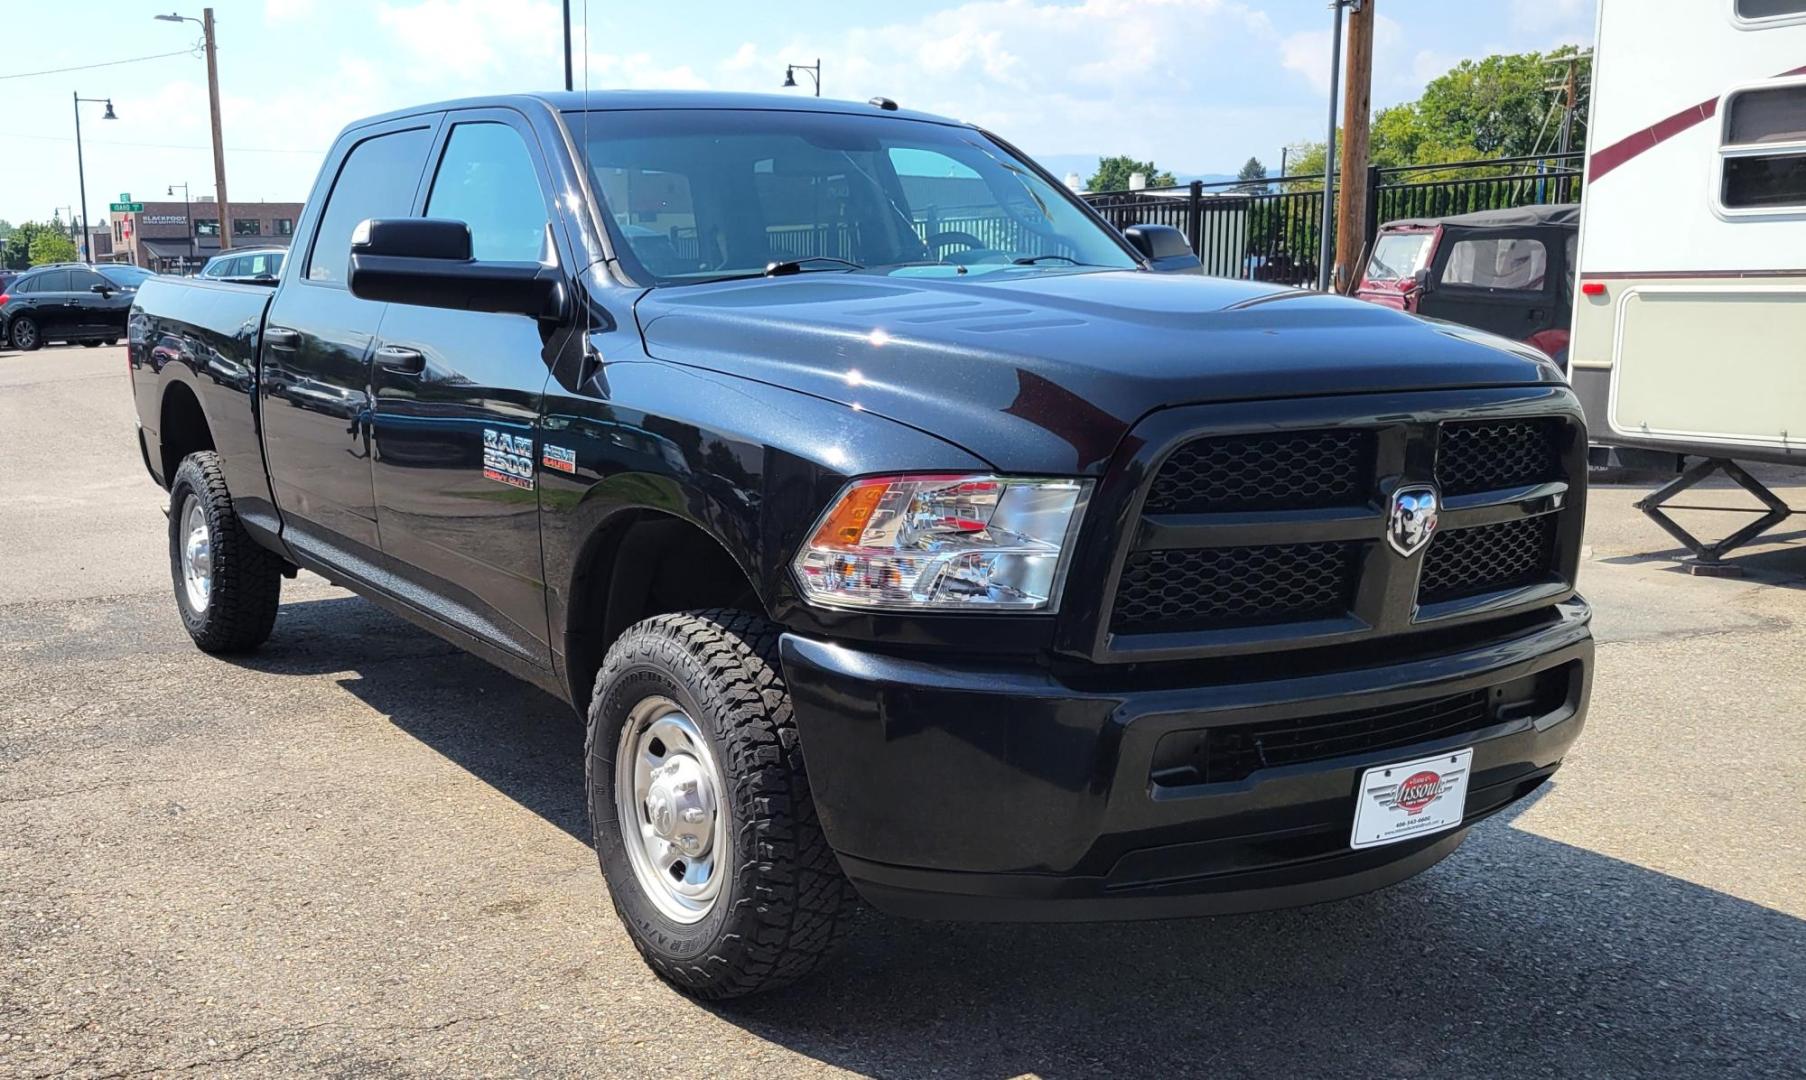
944, 543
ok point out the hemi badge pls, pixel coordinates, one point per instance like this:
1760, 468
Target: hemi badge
557, 457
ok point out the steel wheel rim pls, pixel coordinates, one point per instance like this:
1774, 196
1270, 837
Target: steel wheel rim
668, 803
25, 334
197, 555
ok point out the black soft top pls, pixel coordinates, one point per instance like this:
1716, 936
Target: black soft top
1558, 215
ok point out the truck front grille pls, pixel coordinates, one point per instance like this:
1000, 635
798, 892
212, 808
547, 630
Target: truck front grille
1492, 454
1463, 562
1243, 539
1283, 471
1199, 589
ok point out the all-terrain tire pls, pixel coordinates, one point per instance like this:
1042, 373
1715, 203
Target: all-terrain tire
784, 903
26, 334
240, 610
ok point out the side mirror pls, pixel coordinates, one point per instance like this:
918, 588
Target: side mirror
104, 290
426, 262
1420, 281
1164, 248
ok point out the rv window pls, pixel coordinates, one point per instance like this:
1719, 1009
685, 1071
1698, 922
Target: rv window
1764, 151
1767, 182
1512, 262
1769, 9
1767, 115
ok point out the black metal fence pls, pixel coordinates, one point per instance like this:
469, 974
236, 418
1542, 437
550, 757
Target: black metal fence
1269, 230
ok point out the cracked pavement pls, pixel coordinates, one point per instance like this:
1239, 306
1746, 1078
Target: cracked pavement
361, 852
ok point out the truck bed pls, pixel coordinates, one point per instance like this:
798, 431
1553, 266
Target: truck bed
205, 335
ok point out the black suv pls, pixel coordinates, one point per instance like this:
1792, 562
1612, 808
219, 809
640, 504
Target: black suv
72, 302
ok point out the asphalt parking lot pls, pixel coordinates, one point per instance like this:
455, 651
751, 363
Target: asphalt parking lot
360, 851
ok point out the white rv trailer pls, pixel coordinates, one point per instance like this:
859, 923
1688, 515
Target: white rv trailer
1689, 331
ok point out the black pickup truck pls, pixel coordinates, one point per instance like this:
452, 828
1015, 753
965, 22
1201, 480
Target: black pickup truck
770, 432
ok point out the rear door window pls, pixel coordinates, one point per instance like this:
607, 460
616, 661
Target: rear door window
52, 281
1515, 263
377, 180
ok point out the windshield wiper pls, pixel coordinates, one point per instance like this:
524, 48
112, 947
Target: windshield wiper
1030, 260
796, 266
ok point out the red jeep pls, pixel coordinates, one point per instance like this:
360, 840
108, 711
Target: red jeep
1510, 272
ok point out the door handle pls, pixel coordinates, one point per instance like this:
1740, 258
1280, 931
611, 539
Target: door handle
399, 358
281, 337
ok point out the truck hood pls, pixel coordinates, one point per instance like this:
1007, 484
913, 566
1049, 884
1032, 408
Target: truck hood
1044, 371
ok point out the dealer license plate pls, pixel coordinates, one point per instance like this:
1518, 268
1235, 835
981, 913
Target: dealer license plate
1414, 798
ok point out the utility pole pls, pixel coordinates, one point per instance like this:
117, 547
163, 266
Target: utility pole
1570, 101
1357, 120
219, 145
1329, 145
567, 44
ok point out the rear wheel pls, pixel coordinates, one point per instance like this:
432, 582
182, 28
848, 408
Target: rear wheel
90, 344
227, 587
25, 333
701, 810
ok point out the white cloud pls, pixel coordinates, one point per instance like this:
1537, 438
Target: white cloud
1306, 55
287, 11
461, 38
636, 71
1097, 76
1537, 16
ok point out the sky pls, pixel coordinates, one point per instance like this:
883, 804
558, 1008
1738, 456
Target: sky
1198, 86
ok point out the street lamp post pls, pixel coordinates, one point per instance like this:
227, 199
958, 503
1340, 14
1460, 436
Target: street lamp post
814, 71
219, 150
81, 171
187, 224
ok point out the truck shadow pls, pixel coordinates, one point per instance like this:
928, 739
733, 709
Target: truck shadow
1519, 955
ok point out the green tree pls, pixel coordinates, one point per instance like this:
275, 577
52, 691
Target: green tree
1502, 106
6, 228
1253, 176
1113, 174
24, 235
1497, 107
51, 245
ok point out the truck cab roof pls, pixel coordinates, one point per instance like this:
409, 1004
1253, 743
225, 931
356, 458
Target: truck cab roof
611, 100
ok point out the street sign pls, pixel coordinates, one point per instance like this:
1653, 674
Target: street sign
125, 207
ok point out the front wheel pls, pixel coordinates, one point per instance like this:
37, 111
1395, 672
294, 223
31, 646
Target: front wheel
90, 344
25, 333
227, 587
701, 810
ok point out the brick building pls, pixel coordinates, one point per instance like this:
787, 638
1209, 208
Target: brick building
158, 237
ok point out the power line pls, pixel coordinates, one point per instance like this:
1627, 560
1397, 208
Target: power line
165, 146
104, 63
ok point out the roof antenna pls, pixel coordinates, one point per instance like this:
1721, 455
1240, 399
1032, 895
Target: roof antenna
883, 103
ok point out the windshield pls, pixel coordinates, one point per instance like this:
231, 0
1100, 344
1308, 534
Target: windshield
129, 276
1398, 255
698, 195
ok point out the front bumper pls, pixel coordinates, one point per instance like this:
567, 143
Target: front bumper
974, 792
